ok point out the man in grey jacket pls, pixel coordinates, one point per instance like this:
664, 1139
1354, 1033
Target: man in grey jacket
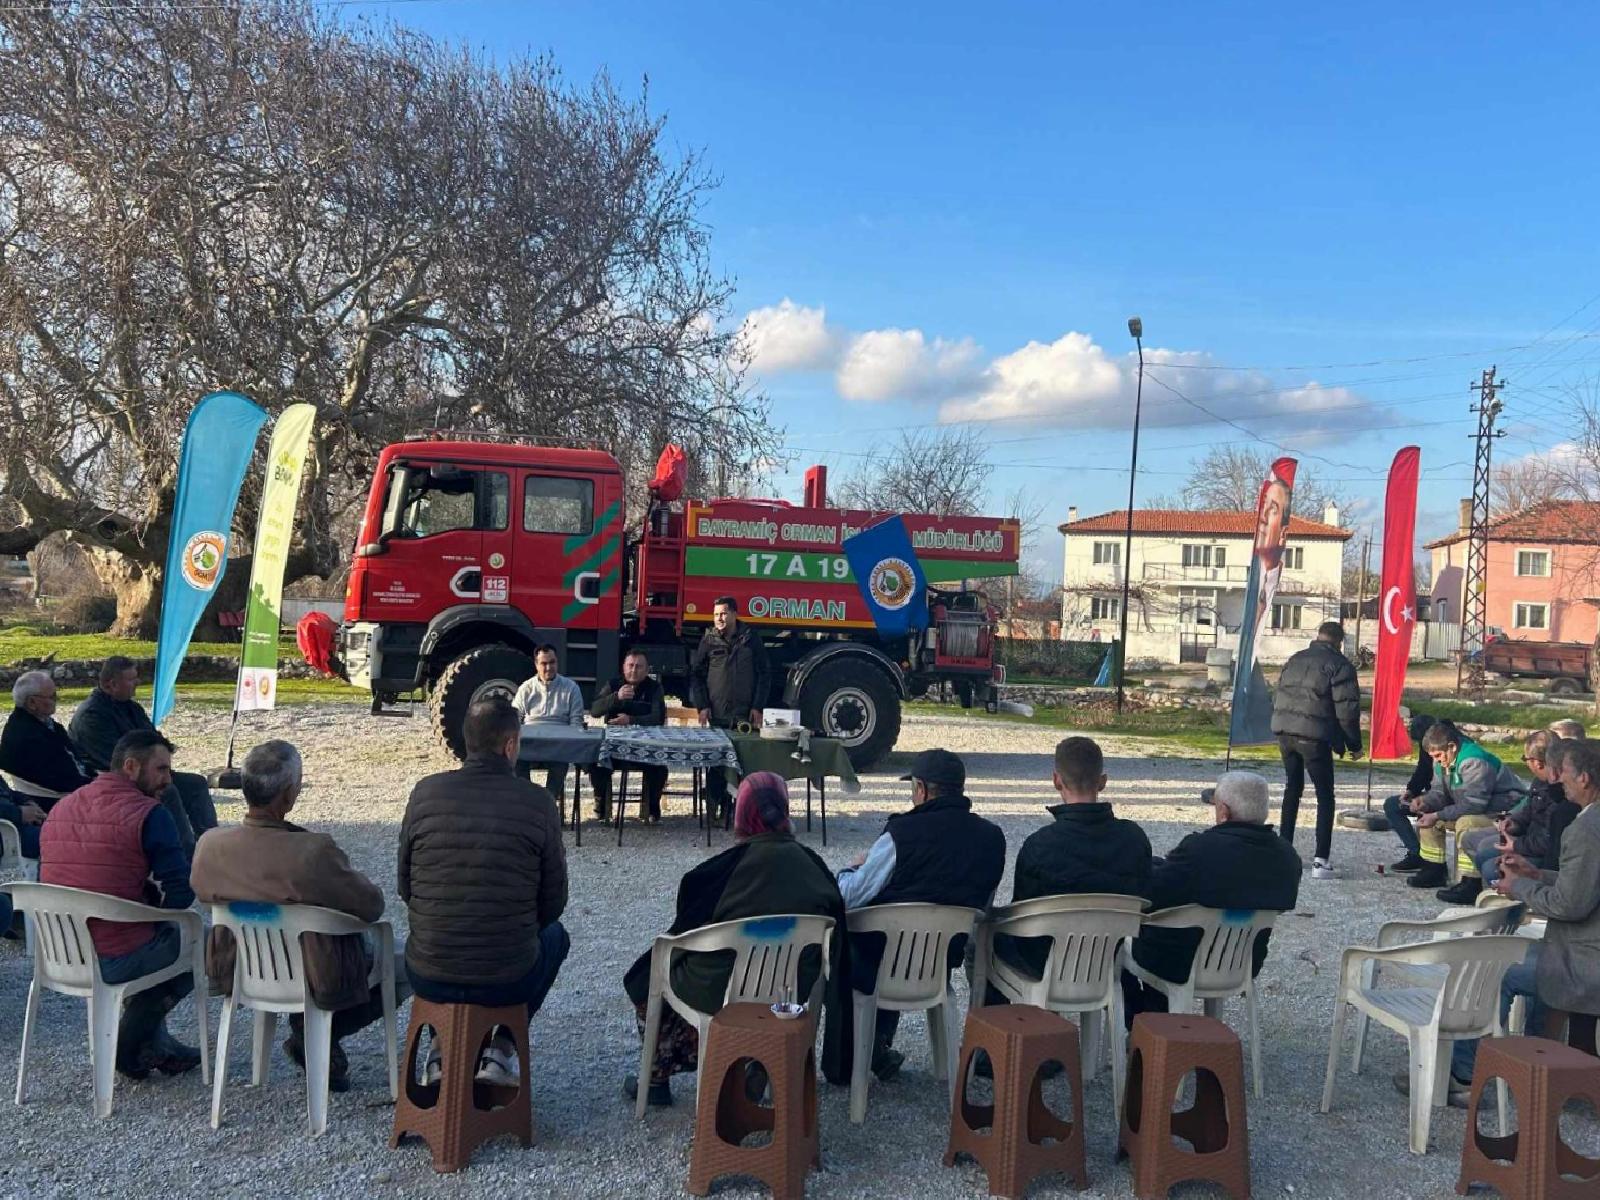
1316, 713
1563, 970
549, 698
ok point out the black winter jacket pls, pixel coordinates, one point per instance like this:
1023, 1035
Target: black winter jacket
767, 875
730, 676
1537, 823
482, 870
1318, 699
1087, 848
648, 706
43, 754
99, 724
1233, 865
943, 854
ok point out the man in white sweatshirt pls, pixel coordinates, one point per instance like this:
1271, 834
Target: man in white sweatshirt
549, 699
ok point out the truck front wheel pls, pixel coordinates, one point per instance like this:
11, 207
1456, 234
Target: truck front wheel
857, 704
479, 674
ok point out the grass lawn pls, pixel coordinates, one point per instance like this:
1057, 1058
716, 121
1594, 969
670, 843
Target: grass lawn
26, 641
219, 694
1196, 733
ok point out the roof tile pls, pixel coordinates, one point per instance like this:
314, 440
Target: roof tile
1204, 522
1550, 521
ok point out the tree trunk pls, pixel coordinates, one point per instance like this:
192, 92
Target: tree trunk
137, 588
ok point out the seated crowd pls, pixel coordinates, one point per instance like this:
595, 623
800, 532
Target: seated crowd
482, 868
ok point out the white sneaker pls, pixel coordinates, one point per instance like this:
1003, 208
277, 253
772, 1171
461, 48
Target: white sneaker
431, 1072
1320, 869
498, 1067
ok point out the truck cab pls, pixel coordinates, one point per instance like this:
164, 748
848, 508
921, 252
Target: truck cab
454, 532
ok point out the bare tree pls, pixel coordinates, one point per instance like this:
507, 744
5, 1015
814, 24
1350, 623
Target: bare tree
260, 197
1523, 482
926, 471
1229, 477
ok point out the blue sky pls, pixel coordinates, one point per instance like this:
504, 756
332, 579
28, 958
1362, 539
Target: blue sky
943, 212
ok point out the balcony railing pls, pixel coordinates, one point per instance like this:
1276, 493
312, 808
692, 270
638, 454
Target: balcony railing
1158, 572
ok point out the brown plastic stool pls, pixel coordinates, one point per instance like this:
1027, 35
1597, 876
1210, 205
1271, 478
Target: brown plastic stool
1019, 1040
458, 1114
1165, 1048
1531, 1163
725, 1116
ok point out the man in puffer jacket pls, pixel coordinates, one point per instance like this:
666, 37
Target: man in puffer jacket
1316, 713
1471, 787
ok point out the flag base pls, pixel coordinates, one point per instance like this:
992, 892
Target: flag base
227, 779
1365, 820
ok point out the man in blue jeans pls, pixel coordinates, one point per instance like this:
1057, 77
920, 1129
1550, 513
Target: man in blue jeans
484, 874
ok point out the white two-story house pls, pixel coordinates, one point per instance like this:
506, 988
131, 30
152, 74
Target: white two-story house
1188, 572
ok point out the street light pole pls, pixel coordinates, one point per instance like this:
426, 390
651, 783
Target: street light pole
1136, 329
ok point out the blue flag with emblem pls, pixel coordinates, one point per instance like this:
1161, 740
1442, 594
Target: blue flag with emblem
217, 445
889, 576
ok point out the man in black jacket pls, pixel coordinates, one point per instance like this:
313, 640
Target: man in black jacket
631, 699
1238, 863
731, 682
34, 747
1086, 848
484, 876
939, 852
111, 711
1398, 809
1316, 713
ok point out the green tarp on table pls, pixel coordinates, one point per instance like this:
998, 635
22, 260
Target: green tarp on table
828, 759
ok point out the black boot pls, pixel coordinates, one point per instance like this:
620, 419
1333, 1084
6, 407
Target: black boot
658, 1095
1411, 862
1431, 875
338, 1061
1465, 890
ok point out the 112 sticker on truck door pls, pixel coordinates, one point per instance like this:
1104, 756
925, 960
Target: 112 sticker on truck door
496, 589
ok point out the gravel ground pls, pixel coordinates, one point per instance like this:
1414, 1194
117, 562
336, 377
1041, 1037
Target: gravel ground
359, 772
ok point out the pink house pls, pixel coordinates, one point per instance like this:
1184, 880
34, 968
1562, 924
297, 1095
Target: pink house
1543, 572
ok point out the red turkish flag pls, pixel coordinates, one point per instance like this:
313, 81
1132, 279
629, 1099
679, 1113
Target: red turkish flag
1397, 607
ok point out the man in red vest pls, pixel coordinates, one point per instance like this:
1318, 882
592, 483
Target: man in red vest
114, 837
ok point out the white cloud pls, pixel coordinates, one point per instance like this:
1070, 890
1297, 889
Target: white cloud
1072, 381
789, 337
1068, 382
902, 364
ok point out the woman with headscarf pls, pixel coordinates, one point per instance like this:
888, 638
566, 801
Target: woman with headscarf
765, 873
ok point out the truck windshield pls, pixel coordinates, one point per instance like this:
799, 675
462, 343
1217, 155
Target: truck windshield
424, 501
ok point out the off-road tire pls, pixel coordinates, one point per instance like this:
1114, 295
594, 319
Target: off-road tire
857, 703
472, 676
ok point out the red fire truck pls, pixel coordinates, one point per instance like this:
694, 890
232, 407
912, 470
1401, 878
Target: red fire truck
473, 553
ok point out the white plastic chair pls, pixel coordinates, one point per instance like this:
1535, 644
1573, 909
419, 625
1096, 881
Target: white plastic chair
1452, 923
269, 977
1222, 965
1080, 971
64, 961
913, 976
1460, 1000
12, 863
766, 968
22, 787
14, 866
